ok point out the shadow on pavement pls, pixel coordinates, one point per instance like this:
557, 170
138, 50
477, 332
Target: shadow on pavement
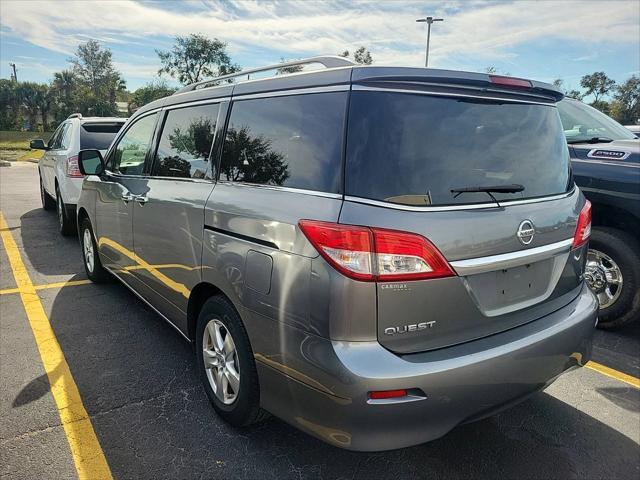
46, 250
153, 420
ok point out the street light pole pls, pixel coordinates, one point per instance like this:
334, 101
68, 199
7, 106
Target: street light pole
429, 21
15, 75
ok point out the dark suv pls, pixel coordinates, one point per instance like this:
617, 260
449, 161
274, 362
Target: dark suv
374, 255
606, 165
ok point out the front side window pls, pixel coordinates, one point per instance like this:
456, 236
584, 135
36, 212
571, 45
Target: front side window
129, 155
185, 143
415, 149
293, 141
56, 142
54, 138
65, 138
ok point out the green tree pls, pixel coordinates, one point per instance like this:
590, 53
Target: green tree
361, 56
98, 80
196, 57
597, 84
568, 92
64, 90
10, 104
625, 107
148, 93
31, 99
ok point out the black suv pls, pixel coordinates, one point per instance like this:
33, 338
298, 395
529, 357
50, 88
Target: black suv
606, 165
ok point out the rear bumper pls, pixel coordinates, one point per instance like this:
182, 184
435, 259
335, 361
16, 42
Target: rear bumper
461, 383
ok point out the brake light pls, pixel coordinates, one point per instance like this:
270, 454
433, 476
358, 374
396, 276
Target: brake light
72, 167
376, 254
583, 229
510, 81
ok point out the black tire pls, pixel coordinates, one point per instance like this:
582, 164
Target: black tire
98, 273
623, 249
48, 203
245, 409
66, 225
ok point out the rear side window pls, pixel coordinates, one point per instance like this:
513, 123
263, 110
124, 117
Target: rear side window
414, 149
98, 136
185, 144
293, 141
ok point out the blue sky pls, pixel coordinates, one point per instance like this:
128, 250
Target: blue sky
542, 40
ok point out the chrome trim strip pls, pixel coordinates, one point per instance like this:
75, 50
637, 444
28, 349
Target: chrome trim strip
446, 208
301, 191
197, 102
299, 91
608, 162
448, 94
147, 302
511, 259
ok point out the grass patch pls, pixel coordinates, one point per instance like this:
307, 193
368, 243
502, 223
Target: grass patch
31, 155
20, 140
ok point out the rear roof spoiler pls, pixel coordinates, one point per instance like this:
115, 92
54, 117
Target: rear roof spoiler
451, 78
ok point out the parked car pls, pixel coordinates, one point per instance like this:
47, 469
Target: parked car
373, 254
606, 166
635, 129
60, 179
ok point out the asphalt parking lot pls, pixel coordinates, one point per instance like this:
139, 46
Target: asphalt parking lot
135, 379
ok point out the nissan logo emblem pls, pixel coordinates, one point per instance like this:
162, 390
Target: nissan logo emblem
525, 232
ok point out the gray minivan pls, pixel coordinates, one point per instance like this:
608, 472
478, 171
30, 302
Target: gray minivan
372, 254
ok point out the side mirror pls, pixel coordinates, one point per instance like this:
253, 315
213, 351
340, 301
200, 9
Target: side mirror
37, 144
90, 162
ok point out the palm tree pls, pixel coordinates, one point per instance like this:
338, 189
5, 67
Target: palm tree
64, 82
28, 93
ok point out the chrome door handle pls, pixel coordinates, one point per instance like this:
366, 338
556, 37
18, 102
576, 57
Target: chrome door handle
127, 197
141, 199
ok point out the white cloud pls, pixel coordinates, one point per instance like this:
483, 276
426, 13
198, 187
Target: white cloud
478, 29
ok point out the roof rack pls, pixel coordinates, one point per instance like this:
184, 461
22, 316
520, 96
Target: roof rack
328, 61
74, 115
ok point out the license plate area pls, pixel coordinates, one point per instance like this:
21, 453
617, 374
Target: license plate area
504, 290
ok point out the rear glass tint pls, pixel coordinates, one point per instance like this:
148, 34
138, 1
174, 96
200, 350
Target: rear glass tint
98, 136
293, 141
414, 149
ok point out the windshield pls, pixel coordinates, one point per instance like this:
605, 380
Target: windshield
415, 149
582, 122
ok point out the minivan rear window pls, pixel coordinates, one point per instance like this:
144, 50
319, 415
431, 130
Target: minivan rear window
98, 136
414, 149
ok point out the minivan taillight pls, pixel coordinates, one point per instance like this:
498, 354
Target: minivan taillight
583, 230
72, 167
376, 254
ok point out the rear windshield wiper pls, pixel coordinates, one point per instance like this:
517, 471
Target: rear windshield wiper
489, 190
591, 140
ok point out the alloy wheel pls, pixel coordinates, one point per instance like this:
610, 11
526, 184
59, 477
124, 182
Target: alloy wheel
604, 277
60, 209
221, 361
87, 247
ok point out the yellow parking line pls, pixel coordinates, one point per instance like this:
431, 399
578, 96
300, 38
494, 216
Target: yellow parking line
69, 283
85, 448
610, 372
